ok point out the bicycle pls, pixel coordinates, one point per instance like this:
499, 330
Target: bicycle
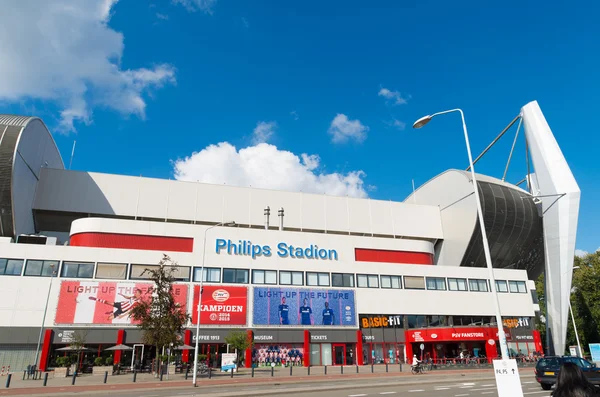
202, 368
417, 369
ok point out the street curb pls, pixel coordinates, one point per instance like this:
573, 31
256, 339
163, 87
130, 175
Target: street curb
205, 389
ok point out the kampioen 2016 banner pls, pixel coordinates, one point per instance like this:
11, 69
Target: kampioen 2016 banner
99, 302
221, 305
302, 307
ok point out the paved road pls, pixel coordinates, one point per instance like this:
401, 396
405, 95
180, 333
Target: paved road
350, 388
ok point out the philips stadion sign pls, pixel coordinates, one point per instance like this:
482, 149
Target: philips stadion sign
283, 250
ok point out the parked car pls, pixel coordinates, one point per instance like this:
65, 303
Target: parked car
547, 368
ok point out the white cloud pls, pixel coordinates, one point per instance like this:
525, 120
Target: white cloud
394, 96
581, 253
343, 129
265, 166
163, 17
294, 115
205, 6
401, 125
64, 51
263, 131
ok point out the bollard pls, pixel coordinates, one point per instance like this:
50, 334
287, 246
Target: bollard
326, 370
356, 368
309, 369
135, 375
105, 376
291, 370
342, 369
45, 378
161, 373
74, 377
372, 368
232, 372
253, 372
186, 373
209, 372
386, 368
9, 377
24, 373
400, 364
272, 371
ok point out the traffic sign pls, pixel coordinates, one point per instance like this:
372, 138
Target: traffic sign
508, 380
422, 346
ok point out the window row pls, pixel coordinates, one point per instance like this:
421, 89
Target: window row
122, 271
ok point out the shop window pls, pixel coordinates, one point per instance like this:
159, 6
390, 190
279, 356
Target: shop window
41, 268
11, 267
416, 321
478, 285
457, 284
534, 297
394, 282
436, 283
210, 274
114, 271
77, 270
367, 281
342, 280
317, 279
235, 276
291, 278
436, 321
501, 286
142, 272
411, 282
517, 287
264, 277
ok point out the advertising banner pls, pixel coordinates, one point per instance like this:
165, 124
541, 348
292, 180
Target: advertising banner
228, 362
595, 351
303, 307
99, 302
221, 305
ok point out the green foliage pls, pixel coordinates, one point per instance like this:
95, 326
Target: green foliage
160, 317
63, 361
202, 357
109, 360
240, 341
99, 361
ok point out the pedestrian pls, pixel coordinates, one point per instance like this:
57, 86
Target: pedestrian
572, 382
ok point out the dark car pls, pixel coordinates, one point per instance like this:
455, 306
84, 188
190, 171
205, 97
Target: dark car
547, 368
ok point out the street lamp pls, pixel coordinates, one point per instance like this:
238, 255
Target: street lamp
200, 296
486, 247
37, 350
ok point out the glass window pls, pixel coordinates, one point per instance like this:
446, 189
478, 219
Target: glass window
436, 283
342, 280
264, 277
478, 285
41, 268
78, 269
367, 281
291, 278
457, 284
180, 273
318, 279
11, 267
210, 274
391, 282
517, 287
117, 271
235, 276
416, 321
411, 282
501, 286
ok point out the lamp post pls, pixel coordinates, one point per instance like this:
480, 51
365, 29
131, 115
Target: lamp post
37, 350
579, 352
486, 247
200, 297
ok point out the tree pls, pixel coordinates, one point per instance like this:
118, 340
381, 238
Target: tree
240, 341
160, 318
78, 343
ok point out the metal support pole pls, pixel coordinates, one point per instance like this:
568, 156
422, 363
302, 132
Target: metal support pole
272, 371
105, 376
372, 368
326, 370
161, 373
37, 350
342, 370
253, 372
134, 375
74, 377
24, 373
209, 373
8, 378
46, 378
386, 368
356, 368
309, 370
291, 370
232, 372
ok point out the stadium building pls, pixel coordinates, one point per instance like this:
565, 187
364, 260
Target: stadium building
313, 279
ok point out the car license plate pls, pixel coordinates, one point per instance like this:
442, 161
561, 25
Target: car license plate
549, 373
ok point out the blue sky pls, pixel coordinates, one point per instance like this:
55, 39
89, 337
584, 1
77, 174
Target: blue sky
179, 76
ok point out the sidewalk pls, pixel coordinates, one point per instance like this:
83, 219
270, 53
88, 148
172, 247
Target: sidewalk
147, 381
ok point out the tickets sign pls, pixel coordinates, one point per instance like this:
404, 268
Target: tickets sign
221, 305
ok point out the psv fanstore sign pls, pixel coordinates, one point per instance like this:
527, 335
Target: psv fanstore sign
221, 305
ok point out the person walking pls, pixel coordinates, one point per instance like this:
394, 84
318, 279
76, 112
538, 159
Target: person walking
571, 382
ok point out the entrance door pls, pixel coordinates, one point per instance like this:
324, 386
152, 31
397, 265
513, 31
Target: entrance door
137, 357
339, 354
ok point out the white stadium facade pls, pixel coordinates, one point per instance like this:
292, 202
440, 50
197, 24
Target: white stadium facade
321, 280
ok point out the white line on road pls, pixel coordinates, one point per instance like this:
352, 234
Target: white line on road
442, 388
529, 382
460, 395
388, 392
486, 392
465, 387
356, 395
469, 384
536, 392
487, 385
415, 391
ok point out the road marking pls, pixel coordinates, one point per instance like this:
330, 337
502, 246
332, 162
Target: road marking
415, 391
529, 382
469, 384
388, 392
442, 388
460, 395
465, 387
484, 388
486, 392
356, 395
487, 385
536, 392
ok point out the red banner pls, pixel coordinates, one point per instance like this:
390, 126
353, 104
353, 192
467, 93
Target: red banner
221, 305
454, 334
99, 302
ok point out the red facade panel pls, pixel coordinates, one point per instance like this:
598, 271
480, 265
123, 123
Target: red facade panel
133, 241
388, 256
